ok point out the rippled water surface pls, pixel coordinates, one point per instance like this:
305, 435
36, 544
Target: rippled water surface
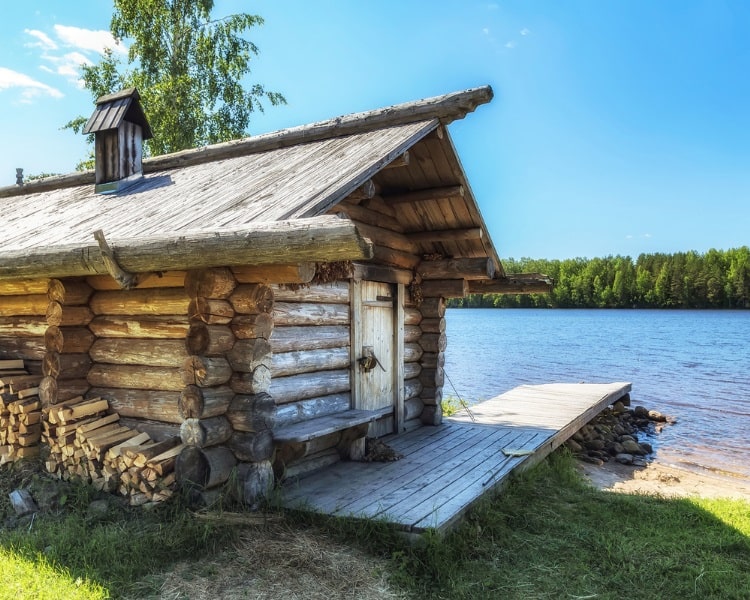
694, 365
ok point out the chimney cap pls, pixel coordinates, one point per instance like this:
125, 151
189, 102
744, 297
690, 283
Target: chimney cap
112, 109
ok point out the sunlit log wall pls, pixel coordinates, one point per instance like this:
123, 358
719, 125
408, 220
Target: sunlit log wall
23, 309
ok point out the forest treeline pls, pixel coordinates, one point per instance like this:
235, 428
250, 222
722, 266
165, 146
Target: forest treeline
715, 279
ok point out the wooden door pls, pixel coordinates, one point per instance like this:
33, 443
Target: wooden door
375, 327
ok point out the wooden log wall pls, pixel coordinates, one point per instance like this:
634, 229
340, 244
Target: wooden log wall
433, 342
413, 352
23, 309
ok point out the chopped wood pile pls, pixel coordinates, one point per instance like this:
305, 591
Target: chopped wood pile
20, 412
88, 442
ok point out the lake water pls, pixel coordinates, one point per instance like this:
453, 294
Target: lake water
693, 365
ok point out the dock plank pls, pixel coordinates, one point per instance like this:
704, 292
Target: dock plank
446, 469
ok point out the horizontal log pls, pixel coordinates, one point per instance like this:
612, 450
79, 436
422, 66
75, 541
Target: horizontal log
66, 366
446, 235
306, 361
518, 283
397, 258
168, 279
252, 413
256, 382
445, 288
382, 236
252, 298
304, 410
336, 292
123, 351
412, 316
204, 468
22, 347
252, 447
431, 396
154, 405
68, 339
387, 274
412, 388
210, 311
247, 355
451, 192
136, 377
412, 352
432, 325
299, 313
157, 301
205, 432
246, 327
363, 214
457, 268
146, 327
33, 326
413, 408
433, 342
433, 359
201, 403
69, 292
412, 333
22, 287
432, 307
69, 316
288, 339
205, 371
309, 385
433, 377
216, 283
209, 340
23, 306
412, 369
69, 388
323, 239
268, 274
157, 430
432, 415
364, 192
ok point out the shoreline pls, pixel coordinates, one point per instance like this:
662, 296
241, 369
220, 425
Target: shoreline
664, 480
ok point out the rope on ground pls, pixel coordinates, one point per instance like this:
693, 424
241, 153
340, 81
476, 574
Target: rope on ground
461, 401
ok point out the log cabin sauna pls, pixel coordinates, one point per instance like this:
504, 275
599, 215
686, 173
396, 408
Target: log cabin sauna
258, 306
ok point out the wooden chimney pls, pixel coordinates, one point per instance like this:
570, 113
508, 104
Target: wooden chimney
119, 126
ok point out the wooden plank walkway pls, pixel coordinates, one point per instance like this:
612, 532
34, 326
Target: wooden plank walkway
446, 469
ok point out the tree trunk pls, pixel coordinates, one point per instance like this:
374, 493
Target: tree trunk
201, 403
205, 371
252, 298
209, 340
211, 312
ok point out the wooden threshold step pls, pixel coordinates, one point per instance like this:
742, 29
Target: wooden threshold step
320, 426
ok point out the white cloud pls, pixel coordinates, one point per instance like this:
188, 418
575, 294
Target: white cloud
42, 40
647, 235
629, 237
486, 31
510, 45
88, 39
29, 87
525, 31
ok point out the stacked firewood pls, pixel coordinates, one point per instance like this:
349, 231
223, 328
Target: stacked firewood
20, 412
86, 441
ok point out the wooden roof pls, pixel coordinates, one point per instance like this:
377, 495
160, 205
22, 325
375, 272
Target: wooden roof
113, 109
298, 173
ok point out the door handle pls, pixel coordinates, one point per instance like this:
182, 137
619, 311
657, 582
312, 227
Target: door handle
368, 361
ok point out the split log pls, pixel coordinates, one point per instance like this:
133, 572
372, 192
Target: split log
268, 274
136, 377
123, 351
145, 327
142, 404
201, 403
412, 388
457, 268
432, 325
433, 342
247, 355
70, 316
69, 292
412, 352
321, 239
336, 292
309, 385
294, 412
445, 288
413, 408
66, 366
252, 298
211, 312
218, 283
252, 447
256, 481
24, 306
22, 326
299, 313
209, 340
158, 301
68, 340
288, 339
205, 432
432, 307
245, 327
161, 279
205, 371
256, 382
204, 467
306, 361
252, 413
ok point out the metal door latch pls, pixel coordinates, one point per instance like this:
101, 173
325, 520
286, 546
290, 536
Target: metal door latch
369, 360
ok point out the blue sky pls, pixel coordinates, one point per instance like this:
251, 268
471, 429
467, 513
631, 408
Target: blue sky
618, 127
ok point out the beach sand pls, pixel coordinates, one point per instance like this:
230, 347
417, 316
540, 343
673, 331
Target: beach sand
664, 480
